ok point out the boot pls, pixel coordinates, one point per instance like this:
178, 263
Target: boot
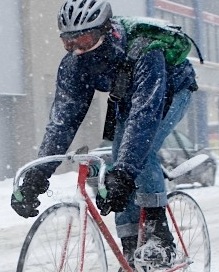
129, 245
159, 249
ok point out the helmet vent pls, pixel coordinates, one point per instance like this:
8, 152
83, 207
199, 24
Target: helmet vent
65, 5
70, 11
94, 16
82, 3
91, 4
82, 21
76, 22
63, 20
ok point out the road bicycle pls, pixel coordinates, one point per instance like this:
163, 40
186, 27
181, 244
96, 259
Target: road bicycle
69, 236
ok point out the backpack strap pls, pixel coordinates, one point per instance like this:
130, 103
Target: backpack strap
117, 93
197, 48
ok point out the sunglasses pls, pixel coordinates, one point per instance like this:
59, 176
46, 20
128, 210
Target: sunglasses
82, 42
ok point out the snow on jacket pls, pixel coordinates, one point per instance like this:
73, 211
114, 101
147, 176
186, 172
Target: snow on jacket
143, 105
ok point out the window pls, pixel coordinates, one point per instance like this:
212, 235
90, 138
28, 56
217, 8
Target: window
188, 3
10, 49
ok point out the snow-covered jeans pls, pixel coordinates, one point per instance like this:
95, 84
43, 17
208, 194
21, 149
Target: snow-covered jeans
151, 191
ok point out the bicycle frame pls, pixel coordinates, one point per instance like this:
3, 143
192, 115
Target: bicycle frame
83, 173
86, 204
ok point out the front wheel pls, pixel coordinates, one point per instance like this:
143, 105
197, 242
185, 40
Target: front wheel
53, 243
193, 230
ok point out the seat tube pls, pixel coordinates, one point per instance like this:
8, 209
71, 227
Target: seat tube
141, 228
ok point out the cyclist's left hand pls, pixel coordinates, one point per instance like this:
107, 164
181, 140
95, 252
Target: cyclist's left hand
27, 205
35, 183
119, 186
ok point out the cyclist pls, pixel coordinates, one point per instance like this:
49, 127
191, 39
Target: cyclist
147, 111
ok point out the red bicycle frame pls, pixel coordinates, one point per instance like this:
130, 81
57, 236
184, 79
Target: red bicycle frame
86, 205
83, 173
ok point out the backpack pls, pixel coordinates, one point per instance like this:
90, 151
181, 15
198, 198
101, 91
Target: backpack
145, 34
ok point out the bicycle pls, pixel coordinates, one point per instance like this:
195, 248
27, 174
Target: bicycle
68, 236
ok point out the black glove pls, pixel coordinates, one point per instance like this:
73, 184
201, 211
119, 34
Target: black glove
25, 200
119, 186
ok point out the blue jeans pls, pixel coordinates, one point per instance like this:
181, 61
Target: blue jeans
151, 187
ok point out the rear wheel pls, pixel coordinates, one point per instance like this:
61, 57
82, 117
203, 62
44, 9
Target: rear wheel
193, 229
53, 243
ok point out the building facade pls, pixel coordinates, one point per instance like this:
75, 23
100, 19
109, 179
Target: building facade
34, 50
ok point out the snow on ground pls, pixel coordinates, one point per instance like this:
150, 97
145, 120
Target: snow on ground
13, 228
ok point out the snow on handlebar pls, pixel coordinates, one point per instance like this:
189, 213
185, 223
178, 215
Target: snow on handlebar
102, 156
73, 157
185, 167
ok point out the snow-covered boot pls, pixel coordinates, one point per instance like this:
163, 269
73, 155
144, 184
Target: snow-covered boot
159, 248
129, 245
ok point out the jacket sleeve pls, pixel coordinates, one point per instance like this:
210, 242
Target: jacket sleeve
72, 100
146, 112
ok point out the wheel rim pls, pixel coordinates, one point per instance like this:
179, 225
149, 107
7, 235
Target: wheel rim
56, 241
193, 230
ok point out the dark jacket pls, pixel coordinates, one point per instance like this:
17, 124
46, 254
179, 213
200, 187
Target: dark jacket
143, 105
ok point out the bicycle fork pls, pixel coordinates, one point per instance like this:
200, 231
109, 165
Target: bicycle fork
83, 227
65, 245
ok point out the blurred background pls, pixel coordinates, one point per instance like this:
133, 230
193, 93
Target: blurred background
31, 50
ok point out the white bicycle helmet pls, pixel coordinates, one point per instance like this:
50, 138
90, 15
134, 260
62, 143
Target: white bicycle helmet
79, 15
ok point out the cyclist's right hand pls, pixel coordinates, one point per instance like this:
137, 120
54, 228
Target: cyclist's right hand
26, 204
119, 186
25, 200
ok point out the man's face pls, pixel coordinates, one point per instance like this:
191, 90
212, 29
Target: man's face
82, 42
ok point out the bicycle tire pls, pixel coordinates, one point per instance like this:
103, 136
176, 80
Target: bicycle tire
43, 246
193, 228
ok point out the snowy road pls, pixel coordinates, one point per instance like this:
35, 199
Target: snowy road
14, 228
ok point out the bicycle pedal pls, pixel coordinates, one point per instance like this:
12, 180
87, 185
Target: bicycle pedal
145, 266
150, 266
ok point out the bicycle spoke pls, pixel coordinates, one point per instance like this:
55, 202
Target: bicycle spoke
193, 229
53, 243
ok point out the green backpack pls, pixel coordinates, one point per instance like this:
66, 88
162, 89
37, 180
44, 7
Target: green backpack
145, 34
